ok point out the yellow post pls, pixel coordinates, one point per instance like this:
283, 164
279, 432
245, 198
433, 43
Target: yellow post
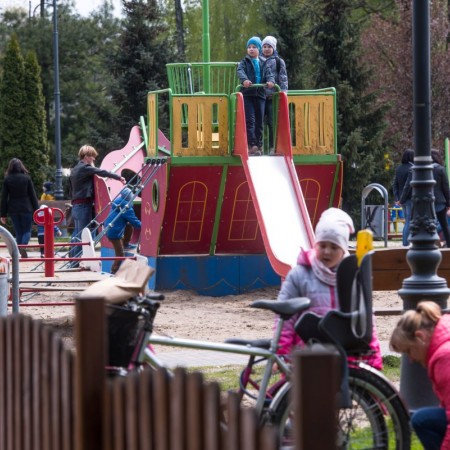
364, 243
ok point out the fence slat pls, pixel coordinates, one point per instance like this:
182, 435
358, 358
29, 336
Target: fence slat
3, 384
249, 428
131, 419
118, 422
45, 388
55, 392
90, 332
146, 421
36, 382
268, 439
233, 420
212, 417
194, 408
160, 409
26, 383
9, 410
178, 410
17, 368
315, 384
67, 400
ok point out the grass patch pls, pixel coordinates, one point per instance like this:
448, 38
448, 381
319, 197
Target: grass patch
226, 376
391, 367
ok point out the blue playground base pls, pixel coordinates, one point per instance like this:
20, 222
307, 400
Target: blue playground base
215, 276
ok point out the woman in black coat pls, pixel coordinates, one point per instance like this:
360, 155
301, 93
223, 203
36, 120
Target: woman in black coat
441, 192
19, 201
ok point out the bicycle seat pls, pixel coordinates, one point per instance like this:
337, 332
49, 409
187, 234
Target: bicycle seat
284, 308
260, 343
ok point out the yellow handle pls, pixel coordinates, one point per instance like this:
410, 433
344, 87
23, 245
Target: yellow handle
364, 243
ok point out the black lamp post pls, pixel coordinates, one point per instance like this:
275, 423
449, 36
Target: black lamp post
424, 256
59, 193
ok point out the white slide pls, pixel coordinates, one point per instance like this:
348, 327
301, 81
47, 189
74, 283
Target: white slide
281, 209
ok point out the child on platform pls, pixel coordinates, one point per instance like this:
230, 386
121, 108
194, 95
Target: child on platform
252, 71
41, 232
120, 223
278, 68
314, 277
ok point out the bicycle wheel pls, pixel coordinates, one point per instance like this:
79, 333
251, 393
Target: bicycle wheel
377, 419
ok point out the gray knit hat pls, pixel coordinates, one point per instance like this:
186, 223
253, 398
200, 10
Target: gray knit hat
270, 40
335, 226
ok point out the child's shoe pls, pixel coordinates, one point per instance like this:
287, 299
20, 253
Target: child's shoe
254, 151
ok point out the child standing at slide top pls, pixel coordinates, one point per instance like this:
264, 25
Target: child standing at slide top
252, 71
314, 277
278, 68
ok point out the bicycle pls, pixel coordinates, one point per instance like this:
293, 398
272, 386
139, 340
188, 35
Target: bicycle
374, 416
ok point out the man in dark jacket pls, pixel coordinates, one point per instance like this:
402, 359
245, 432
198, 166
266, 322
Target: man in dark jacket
441, 191
401, 175
82, 193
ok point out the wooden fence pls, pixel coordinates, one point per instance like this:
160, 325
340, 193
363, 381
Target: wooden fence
51, 400
36, 387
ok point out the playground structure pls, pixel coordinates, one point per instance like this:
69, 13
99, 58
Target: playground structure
215, 220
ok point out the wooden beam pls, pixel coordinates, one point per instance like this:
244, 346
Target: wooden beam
390, 268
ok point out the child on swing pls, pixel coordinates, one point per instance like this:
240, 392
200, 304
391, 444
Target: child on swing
314, 277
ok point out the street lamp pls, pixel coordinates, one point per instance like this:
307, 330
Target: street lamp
59, 193
424, 256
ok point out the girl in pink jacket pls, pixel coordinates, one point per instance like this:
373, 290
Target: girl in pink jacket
314, 277
424, 335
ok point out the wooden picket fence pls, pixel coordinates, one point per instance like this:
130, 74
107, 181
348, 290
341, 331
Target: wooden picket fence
52, 400
36, 387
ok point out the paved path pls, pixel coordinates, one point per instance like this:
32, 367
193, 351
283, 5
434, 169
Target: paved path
205, 358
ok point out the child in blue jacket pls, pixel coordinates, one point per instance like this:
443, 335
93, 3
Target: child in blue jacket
120, 223
252, 71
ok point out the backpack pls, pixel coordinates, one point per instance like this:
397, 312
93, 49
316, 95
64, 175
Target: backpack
277, 59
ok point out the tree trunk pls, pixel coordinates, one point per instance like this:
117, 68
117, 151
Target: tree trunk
180, 30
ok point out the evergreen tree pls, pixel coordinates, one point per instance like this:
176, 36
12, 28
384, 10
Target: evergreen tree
85, 81
12, 101
360, 122
139, 64
34, 123
289, 24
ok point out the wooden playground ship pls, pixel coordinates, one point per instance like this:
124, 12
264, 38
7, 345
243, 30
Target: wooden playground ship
215, 220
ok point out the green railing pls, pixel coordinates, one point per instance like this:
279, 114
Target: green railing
202, 78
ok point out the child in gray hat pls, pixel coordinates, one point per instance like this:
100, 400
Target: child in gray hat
278, 68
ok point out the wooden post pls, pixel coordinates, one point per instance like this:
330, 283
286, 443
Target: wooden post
90, 334
316, 380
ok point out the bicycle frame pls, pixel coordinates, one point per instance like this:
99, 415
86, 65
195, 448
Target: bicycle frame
270, 355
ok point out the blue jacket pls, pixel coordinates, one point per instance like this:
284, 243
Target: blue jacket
246, 71
120, 219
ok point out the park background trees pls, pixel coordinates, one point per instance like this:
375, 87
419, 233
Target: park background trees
361, 47
23, 131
